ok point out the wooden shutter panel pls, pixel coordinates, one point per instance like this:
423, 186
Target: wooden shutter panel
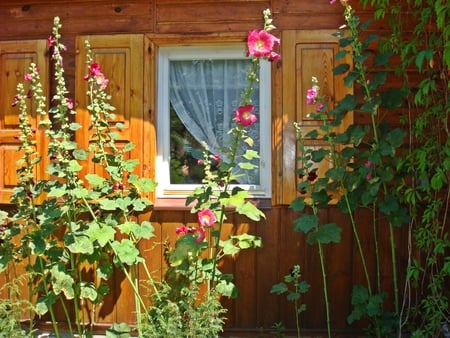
15, 59
304, 54
121, 60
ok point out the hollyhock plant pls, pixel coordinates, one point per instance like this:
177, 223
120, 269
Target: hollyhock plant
244, 115
217, 197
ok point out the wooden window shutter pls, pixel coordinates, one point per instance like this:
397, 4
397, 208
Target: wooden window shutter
121, 59
15, 59
304, 54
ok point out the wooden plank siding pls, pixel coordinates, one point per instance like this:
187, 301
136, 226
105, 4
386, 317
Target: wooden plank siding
182, 21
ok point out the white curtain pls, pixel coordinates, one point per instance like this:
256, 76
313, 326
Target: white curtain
205, 94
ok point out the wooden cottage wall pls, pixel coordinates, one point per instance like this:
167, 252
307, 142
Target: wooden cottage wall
255, 270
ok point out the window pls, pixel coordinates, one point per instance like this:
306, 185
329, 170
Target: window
199, 88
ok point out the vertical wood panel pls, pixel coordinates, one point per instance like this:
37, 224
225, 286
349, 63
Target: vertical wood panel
15, 59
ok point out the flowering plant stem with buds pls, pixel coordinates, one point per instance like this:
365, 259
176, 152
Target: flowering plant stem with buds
69, 223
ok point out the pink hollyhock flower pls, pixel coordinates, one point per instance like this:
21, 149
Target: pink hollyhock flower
319, 107
244, 115
332, 2
206, 218
28, 76
101, 80
200, 162
201, 235
70, 104
274, 56
368, 164
311, 95
216, 157
260, 43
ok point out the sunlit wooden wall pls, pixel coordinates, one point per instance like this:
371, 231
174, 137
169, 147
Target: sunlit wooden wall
255, 270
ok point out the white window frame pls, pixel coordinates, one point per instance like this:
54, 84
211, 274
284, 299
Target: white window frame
232, 51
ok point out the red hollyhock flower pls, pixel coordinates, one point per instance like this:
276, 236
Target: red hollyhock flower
244, 115
94, 68
206, 218
51, 41
260, 43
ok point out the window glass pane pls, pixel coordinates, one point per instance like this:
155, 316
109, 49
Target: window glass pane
203, 96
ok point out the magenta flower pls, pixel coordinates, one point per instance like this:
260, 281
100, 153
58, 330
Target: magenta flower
201, 235
332, 2
183, 230
274, 56
16, 100
200, 162
244, 115
311, 95
260, 43
94, 68
216, 157
70, 104
206, 218
51, 41
28, 76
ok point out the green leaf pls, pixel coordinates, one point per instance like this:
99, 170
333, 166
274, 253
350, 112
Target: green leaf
80, 154
251, 211
382, 59
298, 204
305, 223
128, 147
341, 54
229, 248
88, 292
389, 204
344, 42
145, 230
227, 289
57, 192
104, 270
422, 55
95, 180
74, 166
100, 233
341, 69
74, 126
80, 192
123, 203
293, 296
120, 125
121, 330
62, 282
81, 244
108, 204
142, 184
125, 251
129, 165
351, 77
250, 154
279, 288
319, 154
247, 165
393, 98
327, 233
